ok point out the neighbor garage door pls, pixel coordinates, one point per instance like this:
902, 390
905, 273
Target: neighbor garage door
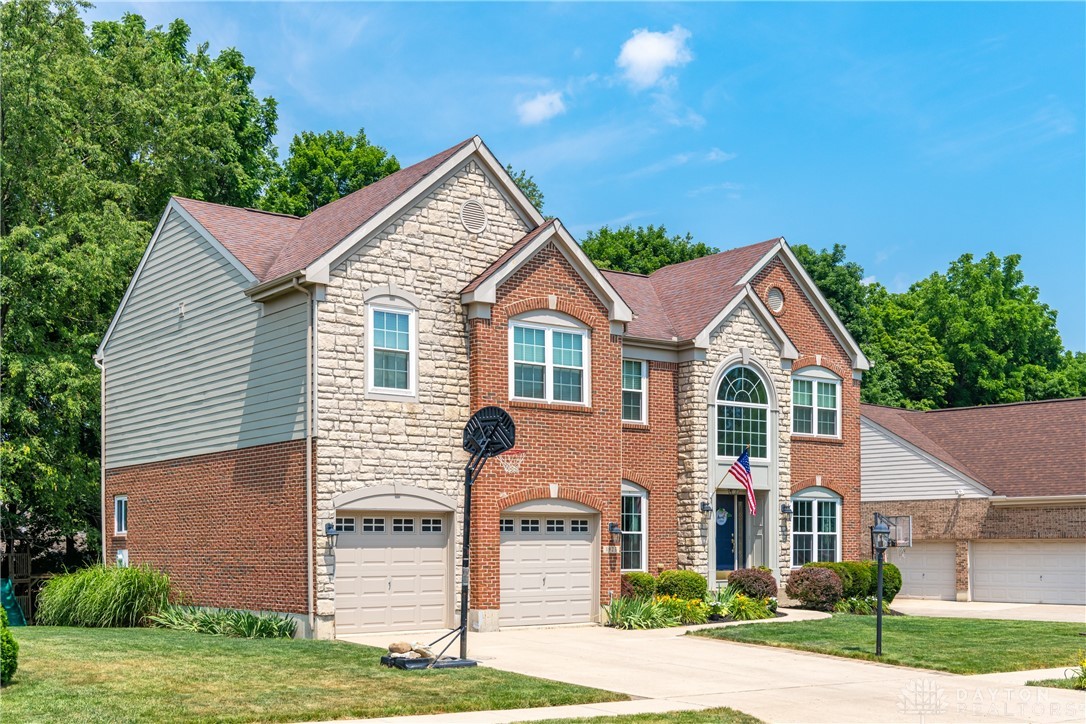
1030, 571
392, 572
927, 569
547, 569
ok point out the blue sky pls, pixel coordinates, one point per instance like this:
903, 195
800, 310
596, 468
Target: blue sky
911, 133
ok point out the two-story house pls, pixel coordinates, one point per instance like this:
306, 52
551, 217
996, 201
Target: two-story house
284, 398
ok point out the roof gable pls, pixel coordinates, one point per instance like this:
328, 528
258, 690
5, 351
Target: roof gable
1019, 449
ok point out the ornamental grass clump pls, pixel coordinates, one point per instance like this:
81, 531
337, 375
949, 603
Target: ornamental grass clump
104, 597
639, 613
225, 622
687, 610
747, 608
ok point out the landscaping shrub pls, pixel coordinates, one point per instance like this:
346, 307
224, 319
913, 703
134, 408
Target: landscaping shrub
861, 605
720, 599
682, 584
817, 588
225, 622
856, 580
9, 651
754, 582
687, 611
638, 585
747, 608
103, 596
639, 613
891, 580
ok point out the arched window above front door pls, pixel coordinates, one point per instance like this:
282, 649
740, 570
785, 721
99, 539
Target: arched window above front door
742, 414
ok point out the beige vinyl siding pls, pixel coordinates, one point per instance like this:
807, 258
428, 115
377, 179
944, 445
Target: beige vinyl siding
221, 377
891, 469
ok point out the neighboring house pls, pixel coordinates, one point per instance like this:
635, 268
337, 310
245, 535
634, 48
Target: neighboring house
284, 400
996, 497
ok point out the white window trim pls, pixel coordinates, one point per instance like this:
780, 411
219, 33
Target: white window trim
629, 490
412, 352
117, 529
814, 375
816, 498
768, 407
644, 390
548, 364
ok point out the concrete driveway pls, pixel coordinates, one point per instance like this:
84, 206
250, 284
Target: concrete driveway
669, 671
980, 609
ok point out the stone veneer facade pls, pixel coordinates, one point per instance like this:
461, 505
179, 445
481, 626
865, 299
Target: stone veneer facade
695, 393
363, 441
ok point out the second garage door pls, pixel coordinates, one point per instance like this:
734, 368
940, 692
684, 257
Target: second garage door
547, 569
1030, 571
927, 569
392, 572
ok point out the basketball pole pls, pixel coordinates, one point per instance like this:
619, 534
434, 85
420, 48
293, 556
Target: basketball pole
471, 472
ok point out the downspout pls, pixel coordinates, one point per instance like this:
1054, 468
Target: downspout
100, 363
310, 523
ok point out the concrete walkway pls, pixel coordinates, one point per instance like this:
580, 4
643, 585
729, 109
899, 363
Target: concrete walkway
668, 671
981, 609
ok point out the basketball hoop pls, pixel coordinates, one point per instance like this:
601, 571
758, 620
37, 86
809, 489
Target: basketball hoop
511, 459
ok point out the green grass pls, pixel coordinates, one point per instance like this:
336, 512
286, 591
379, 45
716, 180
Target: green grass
1055, 683
957, 645
722, 715
144, 675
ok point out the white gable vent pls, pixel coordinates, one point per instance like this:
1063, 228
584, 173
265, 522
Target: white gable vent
473, 216
775, 299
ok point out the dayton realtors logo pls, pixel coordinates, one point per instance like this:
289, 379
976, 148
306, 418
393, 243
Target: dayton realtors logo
926, 697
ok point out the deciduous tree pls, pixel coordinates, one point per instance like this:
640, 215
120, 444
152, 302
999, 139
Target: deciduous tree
642, 250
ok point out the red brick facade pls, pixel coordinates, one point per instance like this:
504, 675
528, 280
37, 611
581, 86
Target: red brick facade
832, 463
229, 527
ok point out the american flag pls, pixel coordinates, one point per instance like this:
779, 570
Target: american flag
740, 469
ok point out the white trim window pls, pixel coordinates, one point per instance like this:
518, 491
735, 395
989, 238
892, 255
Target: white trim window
816, 528
391, 350
634, 525
120, 515
635, 406
548, 364
816, 403
742, 414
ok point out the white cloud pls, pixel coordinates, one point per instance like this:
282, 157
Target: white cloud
868, 281
648, 55
730, 188
717, 156
540, 107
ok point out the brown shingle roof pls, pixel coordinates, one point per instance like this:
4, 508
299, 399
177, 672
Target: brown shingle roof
650, 318
274, 245
1019, 449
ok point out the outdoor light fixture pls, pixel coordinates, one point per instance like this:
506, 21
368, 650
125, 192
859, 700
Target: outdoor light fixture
786, 509
614, 529
331, 532
880, 541
706, 506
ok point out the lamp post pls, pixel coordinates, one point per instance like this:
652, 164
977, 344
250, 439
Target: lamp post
880, 541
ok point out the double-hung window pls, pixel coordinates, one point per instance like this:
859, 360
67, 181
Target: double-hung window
816, 403
548, 364
634, 400
634, 548
816, 529
392, 350
120, 515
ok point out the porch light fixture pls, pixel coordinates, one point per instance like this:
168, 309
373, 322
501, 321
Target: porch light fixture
880, 541
786, 509
331, 532
706, 506
614, 529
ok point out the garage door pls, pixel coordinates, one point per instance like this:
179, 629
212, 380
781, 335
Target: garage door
1030, 571
547, 569
927, 569
392, 572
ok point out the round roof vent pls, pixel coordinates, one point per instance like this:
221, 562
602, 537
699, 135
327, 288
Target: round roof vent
473, 216
775, 299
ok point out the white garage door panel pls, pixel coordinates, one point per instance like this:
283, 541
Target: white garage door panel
392, 580
1030, 571
927, 570
547, 577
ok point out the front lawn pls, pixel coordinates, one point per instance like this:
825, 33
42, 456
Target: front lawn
1056, 683
137, 675
957, 645
723, 715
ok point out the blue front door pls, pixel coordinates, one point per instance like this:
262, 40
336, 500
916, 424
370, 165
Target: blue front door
728, 523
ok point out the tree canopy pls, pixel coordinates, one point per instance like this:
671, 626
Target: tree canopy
642, 250
323, 167
528, 185
97, 131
